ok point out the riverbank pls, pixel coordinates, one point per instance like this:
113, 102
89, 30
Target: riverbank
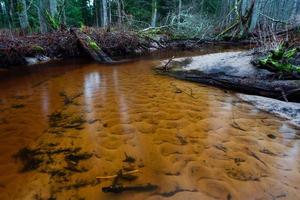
233, 71
93, 44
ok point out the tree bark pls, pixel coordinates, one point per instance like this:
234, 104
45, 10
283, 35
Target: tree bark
97, 11
294, 11
42, 8
22, 14
154, 13
104, 13
53, 7
255, 15
119, 13
179, 13
109, 15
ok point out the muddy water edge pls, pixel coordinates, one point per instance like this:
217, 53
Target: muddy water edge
63, 125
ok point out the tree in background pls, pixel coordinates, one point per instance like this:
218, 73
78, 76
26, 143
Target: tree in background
192, 18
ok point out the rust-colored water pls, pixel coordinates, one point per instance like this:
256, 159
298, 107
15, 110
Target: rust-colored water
193, 141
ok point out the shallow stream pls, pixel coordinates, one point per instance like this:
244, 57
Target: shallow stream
82, 120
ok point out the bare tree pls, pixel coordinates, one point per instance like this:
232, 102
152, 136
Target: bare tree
22, 14
119, 11
41, 9
53, 7
154, 13
179, 12
104, 13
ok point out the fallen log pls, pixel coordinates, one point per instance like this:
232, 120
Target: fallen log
267, 88
91, 47
233, 71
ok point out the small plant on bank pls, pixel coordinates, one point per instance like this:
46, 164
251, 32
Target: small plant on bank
37, 49
280, 60
53, 22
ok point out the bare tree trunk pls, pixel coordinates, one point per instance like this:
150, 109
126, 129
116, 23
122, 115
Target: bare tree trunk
2, 12
104, 13
255, 15
154, 13
64, 13
179, 13
119, 13
109, 16
97, 11
294, 11
42, 8
6, 11
53, 7
22, 14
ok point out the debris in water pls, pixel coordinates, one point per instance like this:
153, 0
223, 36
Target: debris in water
118, 188
29, 158
58, 119
140, 188
77, 157
117, 175
129, 159
271, 136
69, 99
17, 106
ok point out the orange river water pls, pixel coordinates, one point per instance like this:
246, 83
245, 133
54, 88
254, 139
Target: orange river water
192, 141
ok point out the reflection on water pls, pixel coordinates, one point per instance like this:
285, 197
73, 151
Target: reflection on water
192, 141
91, 85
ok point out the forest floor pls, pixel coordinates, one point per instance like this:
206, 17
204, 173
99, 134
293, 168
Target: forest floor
118, 45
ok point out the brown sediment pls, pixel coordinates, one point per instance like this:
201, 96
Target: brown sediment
201, 143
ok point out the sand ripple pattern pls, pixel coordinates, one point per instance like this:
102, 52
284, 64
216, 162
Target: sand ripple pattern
193, 141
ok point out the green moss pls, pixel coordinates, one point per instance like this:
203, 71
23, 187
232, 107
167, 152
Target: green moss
37, 49
93, 45
279, 60
153, 32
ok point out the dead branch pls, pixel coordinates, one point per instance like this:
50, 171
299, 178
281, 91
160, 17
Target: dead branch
117, 175
167, 64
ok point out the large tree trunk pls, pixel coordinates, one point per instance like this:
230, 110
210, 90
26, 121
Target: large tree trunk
154, 13
255, 15
61, 13
7, 18
294, 11
11, 12
97, 11
104, 13
22, 14
109, 16
53, 7
42, 8
179, 12
119, 10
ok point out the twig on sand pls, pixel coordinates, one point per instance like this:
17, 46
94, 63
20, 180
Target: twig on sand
116, 175
178, 90
284, 95
168, 63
